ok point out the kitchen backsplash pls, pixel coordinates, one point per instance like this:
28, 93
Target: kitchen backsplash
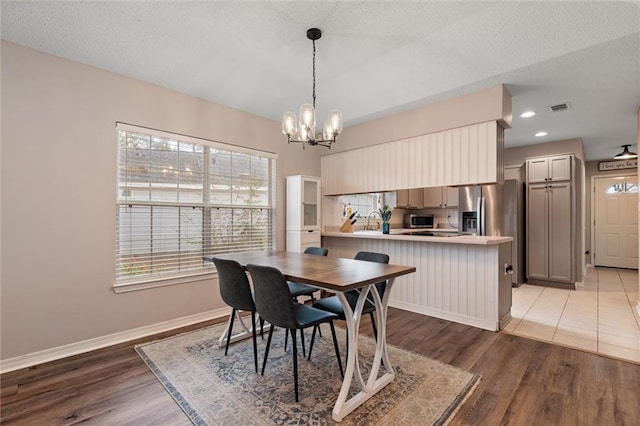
445, 218
334, 209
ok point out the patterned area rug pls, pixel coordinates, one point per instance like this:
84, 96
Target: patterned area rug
214, 389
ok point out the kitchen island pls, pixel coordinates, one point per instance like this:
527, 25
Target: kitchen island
460, 278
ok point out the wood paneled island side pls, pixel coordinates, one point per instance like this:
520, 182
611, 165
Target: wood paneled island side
461, 278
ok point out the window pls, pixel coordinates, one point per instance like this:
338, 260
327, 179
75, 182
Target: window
360, 204
617, 188
182, 198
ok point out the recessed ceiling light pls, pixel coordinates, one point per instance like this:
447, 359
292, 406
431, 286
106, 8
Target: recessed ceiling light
527, 114
541, 134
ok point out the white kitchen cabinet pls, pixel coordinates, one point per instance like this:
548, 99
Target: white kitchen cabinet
450, 196
462, 156
440, 196
549, 169
297, 241
303, 212
409, 198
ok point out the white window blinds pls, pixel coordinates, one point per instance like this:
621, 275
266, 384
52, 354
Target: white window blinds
182, 198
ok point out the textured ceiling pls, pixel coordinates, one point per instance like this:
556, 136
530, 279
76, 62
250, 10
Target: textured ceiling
374, 58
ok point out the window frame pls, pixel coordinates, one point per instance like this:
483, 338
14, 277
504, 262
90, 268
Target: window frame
133, 282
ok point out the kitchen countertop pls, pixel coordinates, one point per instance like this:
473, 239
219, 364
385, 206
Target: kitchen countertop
403, 235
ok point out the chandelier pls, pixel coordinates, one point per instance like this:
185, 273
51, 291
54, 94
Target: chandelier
305, 128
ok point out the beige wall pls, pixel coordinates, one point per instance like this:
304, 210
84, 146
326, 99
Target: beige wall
493, 104
514, 157
59, 196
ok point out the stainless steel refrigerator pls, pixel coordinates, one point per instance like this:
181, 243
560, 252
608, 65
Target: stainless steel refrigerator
496, 210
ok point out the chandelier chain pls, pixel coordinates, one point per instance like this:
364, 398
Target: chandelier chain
314, 74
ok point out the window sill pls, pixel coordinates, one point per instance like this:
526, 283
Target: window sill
130, 286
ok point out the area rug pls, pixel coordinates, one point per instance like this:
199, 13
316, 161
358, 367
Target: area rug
214, 389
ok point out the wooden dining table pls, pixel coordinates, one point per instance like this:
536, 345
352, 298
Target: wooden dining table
339, 275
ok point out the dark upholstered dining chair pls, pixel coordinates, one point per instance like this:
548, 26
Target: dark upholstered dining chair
236, 292
298, 289
332, 304
275, 304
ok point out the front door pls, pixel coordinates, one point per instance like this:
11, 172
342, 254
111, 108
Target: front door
616, 221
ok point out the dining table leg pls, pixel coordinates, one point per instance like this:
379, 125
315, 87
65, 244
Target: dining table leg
373, 383
245, 332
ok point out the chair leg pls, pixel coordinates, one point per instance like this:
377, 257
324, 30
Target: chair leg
313, 299
286, 338
373, 324
255, 343
295, 361
262, 328
335, 345
313, 338
231, 319
266, 352
304, 354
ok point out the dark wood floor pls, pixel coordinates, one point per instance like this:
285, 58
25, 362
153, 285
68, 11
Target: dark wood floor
524, 382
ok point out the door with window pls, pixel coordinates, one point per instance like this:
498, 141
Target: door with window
616, 221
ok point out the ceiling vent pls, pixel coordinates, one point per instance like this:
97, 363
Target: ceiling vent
559, 107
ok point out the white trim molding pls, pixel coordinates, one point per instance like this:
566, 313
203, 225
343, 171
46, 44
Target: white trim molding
126, 287
52, 354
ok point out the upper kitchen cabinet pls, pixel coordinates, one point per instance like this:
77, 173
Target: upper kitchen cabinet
409, 198
303, 203
549, 169
463, 156
440, 196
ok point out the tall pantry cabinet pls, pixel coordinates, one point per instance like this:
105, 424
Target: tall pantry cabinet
551, 221
303, 212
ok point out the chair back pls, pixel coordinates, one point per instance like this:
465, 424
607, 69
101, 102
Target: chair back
273, 298
372, 257
234, 285
320, 251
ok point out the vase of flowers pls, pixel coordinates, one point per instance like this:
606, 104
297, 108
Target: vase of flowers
385, 215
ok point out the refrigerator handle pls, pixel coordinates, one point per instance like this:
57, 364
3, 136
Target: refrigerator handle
481, 224
479, 216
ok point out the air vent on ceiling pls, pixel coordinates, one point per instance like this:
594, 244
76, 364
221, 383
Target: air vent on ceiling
559, 107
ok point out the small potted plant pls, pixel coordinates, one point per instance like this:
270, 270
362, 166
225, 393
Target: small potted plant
385, 215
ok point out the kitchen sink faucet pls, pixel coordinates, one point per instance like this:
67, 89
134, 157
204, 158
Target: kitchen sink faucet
369, 217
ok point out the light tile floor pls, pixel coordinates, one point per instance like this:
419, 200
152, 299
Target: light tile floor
599, 317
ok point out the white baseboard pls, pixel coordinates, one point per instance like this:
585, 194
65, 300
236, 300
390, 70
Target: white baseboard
449, 316
40, 357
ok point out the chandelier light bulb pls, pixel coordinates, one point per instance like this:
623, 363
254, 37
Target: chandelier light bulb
328, 131
307, 116
289, 124
304, 133
335, 117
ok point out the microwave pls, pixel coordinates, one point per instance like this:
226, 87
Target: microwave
418, 221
